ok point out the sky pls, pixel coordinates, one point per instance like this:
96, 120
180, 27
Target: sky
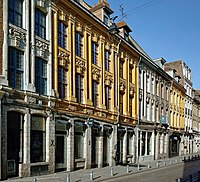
164, 28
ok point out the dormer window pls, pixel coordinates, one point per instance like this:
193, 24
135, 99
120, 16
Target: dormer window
105, 19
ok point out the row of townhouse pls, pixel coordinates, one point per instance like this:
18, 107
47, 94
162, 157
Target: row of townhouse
77, 91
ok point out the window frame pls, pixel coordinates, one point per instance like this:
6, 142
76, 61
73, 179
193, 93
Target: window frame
79, 88
79, 44
62, 35
107, 60
17, 15
40, 23
17, 67
94, 53
41, 75
62, 82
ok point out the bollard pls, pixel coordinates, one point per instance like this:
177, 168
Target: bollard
157, 164
91, 175
190, 178
138, 167
148, 165
164, 163
184, 159
170, 162
127, 169
178, 180
34, 180
176, 161
198, 175
111, 172
68, 177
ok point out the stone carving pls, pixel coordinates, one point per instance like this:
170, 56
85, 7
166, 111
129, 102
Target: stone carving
42, 48
108, 79
80, 66
63, 59
95, 74
132, 89
122, 85
17, 37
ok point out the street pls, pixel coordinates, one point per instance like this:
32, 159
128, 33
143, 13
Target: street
164, 174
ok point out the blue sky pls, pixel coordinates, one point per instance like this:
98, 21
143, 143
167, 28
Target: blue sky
164, 28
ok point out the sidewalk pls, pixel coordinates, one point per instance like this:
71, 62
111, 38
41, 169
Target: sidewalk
101, 174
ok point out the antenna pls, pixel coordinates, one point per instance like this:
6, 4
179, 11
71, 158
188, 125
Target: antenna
121, 9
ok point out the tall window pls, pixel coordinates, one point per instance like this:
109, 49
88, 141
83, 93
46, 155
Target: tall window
15, 68
121, 104
94, 53
107, 60
121, 69
130, 75
40, 23
62, 35
79, 44
94, 93
79, 88
62, 82
41, 76
15, 11
130, 107
107, 97
38, 144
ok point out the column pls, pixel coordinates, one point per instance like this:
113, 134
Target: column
124, 160
87, 147
133, 148
166, 148
70, 148
25, 171
101, 145
161, 143
153, 144
157, 146
5, 41
113, 146
33, 43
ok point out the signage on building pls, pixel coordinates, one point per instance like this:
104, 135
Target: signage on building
163, 119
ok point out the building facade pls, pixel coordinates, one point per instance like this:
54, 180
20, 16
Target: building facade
77, 91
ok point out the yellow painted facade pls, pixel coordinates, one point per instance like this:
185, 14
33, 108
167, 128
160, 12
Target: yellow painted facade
77, 21
177, 106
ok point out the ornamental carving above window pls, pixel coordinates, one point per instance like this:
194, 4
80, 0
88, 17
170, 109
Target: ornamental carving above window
42, 48
17, 37
132, 89
122, 85
95, 74
63, 59
108, 79
80, 66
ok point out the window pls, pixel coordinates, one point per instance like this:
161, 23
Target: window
62, 35
41, 76
38, 144
107, 60
78, 140
121, 104
79, 88
130, 75
94, 53
62, 82
40, 23
15, 12
79, 44
121, 69
107, 97
105, 19
94, 93
130, 107
15, 68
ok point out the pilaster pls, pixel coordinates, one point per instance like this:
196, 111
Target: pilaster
70, 148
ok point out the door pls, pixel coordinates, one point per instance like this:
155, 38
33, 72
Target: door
60, 153
14, 142
95, 147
